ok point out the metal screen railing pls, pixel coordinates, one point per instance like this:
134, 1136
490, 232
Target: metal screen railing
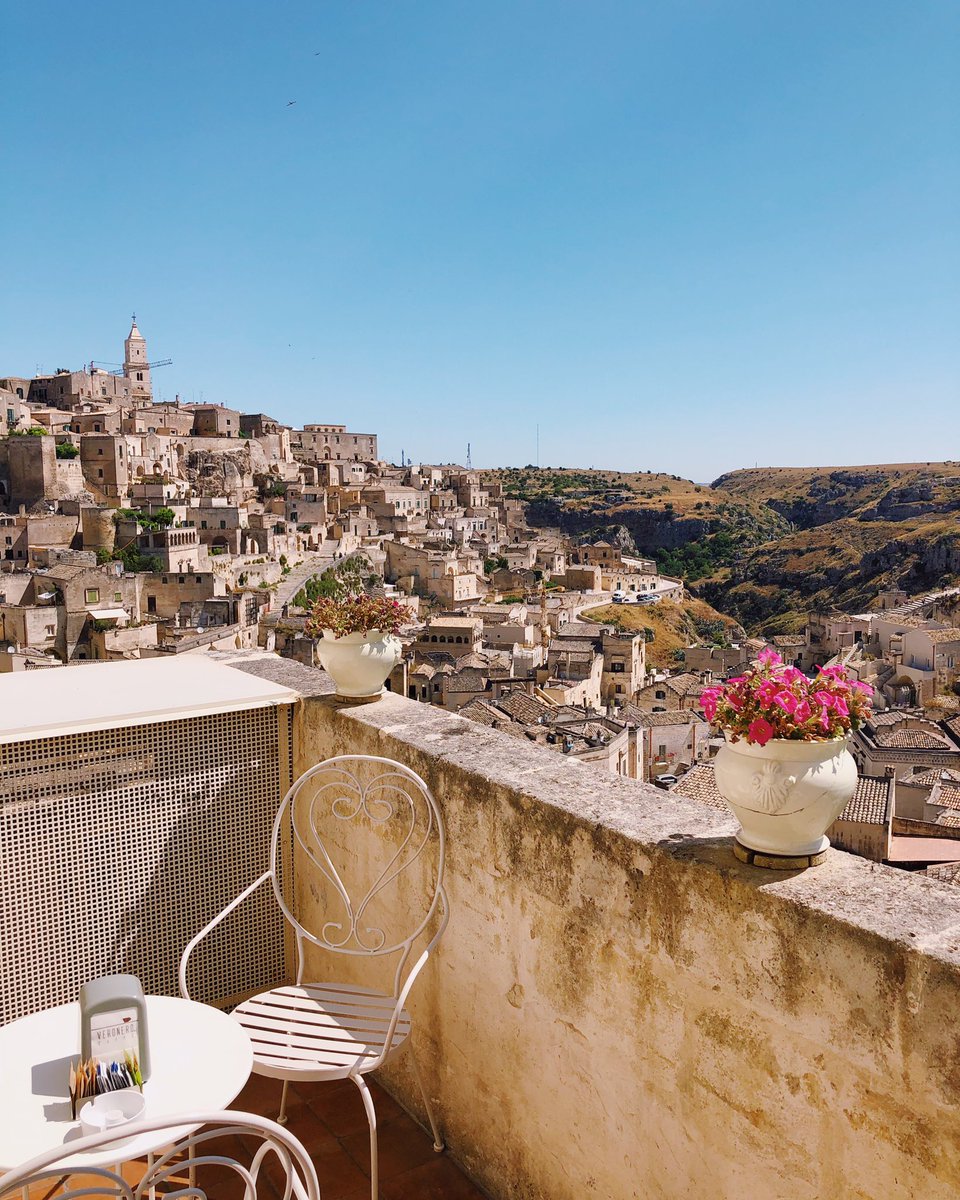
117, 845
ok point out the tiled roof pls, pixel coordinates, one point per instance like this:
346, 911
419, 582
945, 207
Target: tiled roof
470, 680
950, 819
487, 714
878, 719
787, 641
945, 872
868, 804
939, 636
947, 795
699, 783
912, 739
926, 779
523, 707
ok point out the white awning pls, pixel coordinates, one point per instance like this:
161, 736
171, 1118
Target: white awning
108, 614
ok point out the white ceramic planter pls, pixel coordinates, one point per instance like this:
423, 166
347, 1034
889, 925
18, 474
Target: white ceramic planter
358, 663
786, 794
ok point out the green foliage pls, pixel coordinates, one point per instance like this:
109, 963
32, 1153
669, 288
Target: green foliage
497, 563
135, 560
283, 560
66, 450
159, 519
33, 431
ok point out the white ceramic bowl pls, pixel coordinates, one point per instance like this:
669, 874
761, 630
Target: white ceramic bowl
112, 1110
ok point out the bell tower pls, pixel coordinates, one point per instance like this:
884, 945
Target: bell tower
136, 368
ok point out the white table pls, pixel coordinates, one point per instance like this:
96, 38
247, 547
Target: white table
200, 1059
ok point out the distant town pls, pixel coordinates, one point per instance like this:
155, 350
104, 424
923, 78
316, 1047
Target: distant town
132, 528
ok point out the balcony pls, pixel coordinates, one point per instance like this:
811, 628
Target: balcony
618, 1008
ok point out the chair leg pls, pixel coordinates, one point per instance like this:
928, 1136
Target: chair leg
437, 1140
282, 1118
372, 1118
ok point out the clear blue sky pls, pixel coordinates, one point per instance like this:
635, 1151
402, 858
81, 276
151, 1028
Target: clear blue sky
680, 235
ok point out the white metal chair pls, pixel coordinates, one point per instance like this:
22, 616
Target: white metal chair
374, 833
194, 1166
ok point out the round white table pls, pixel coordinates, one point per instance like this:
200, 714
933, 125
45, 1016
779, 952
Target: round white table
200, 1059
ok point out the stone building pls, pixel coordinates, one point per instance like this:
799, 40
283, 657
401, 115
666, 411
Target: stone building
330, 443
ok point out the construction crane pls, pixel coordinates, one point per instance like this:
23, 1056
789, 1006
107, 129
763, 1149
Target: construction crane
161, 362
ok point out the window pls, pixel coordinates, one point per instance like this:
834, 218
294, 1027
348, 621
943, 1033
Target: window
617, 668
223, 524
180, 579
140, 376
662, 751
151, 604
198, 579
92, 596
660, 695
203, 524
118, 596
51, 630
619, 687
96, 429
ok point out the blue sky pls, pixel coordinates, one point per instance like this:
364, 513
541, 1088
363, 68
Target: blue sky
686, 236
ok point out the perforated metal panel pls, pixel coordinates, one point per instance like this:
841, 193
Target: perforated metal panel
118, 845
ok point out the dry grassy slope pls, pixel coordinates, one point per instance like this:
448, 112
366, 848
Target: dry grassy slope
860, 530
674, 625
651, 513
581, 489
808, 496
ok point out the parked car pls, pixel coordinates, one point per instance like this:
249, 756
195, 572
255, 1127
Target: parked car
665, 781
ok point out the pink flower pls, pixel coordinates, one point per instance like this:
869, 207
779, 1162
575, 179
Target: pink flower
802, 712
864, 687
825, 718
841, 706
791, 675
708, 702
787, 701
768, 655
760, 732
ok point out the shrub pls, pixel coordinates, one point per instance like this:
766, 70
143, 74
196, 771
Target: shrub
356, 614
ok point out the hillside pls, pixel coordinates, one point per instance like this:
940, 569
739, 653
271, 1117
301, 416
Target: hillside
691, 528
857, 531
673, 626
766, 545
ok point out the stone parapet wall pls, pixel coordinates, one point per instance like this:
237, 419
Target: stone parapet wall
621, 1009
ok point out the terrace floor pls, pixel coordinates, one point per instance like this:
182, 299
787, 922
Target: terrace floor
329, 1119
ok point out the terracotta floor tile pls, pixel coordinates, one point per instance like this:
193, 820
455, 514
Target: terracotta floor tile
403, 1145
440, 1179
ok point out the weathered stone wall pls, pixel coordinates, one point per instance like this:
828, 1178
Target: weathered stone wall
620, 1009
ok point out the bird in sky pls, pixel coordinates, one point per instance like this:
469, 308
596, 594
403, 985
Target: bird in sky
290, 102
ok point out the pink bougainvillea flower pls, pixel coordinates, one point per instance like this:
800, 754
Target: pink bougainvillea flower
760, 731
708, 702
769, 655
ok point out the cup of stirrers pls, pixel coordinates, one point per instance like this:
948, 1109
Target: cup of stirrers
90, 1077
